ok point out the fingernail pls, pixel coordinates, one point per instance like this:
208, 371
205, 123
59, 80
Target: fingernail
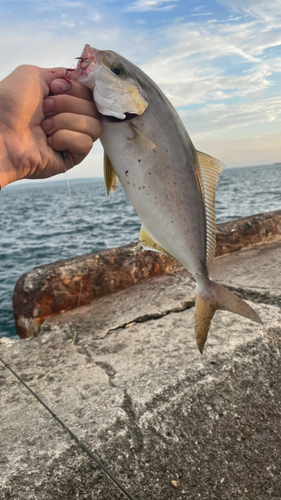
48, 104
57, 85
47, 124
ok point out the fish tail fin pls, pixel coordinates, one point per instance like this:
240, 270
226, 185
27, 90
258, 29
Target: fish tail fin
215, 297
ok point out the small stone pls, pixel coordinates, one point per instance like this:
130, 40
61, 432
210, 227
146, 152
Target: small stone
175, 484
265, 435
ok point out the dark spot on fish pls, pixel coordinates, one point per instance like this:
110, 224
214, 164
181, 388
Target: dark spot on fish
172, 221
134, 184
139, 188
138, 160
126, 172
154, 150
143, 187
149, 173
167, 151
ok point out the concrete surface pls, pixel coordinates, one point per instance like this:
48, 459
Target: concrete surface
168, 422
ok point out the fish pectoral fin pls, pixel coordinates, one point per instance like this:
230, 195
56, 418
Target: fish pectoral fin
140, 139
110, 176
148, 242
209, 172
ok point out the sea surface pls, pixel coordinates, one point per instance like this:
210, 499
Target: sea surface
42, 223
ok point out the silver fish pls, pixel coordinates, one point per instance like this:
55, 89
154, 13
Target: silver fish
170, 184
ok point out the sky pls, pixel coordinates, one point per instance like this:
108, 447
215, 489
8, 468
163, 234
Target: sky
218, 61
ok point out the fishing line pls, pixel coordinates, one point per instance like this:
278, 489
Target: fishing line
69, 431
76, 241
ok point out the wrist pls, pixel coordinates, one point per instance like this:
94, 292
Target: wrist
7, 171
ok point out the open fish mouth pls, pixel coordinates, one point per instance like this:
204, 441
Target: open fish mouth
87, 63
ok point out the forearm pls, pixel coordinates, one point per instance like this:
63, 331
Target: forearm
14, 156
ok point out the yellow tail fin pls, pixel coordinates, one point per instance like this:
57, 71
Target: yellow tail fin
217, 297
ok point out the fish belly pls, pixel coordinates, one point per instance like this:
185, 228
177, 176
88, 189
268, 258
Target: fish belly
163, 188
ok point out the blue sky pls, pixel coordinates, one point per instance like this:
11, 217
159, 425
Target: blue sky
219, 62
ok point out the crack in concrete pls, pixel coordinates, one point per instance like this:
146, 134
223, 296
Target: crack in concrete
185, 304
84, 350
134, 430
109, 370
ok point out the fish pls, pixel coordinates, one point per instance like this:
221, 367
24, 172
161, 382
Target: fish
170, 184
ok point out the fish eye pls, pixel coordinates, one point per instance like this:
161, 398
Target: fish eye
118, 69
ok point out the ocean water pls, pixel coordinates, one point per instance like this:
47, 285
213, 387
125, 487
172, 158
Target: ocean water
41, 223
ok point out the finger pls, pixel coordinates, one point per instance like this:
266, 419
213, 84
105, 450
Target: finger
50, 74
77, 90
74, 142
77, 123
69, 104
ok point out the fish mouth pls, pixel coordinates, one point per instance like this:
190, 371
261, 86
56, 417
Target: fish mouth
87, 62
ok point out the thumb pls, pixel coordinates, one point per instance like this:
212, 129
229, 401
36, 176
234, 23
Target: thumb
50, 74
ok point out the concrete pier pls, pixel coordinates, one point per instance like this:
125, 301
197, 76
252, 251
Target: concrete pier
168, 422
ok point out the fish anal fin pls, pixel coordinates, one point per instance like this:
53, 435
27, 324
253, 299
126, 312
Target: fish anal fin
110, 176
209, 171
148, 242
139, 139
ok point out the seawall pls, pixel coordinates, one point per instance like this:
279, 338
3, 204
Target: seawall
55, 288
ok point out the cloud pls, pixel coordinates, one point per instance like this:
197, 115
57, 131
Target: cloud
222, 74
212, 118
201, 14
147, 5
259, 9
53, 5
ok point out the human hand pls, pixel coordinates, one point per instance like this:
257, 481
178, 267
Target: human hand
35, 127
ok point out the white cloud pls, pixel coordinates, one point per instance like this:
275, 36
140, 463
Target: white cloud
53, 5
225, 68
259, 9
201, 14
147, 5
224, 117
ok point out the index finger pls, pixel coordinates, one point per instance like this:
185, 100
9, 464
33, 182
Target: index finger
77, 90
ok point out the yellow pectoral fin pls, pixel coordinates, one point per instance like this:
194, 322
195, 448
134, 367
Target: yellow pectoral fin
110, 176
148, 242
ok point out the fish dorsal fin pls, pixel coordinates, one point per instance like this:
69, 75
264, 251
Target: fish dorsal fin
140, 139
110, 176
148, 242
210, 170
